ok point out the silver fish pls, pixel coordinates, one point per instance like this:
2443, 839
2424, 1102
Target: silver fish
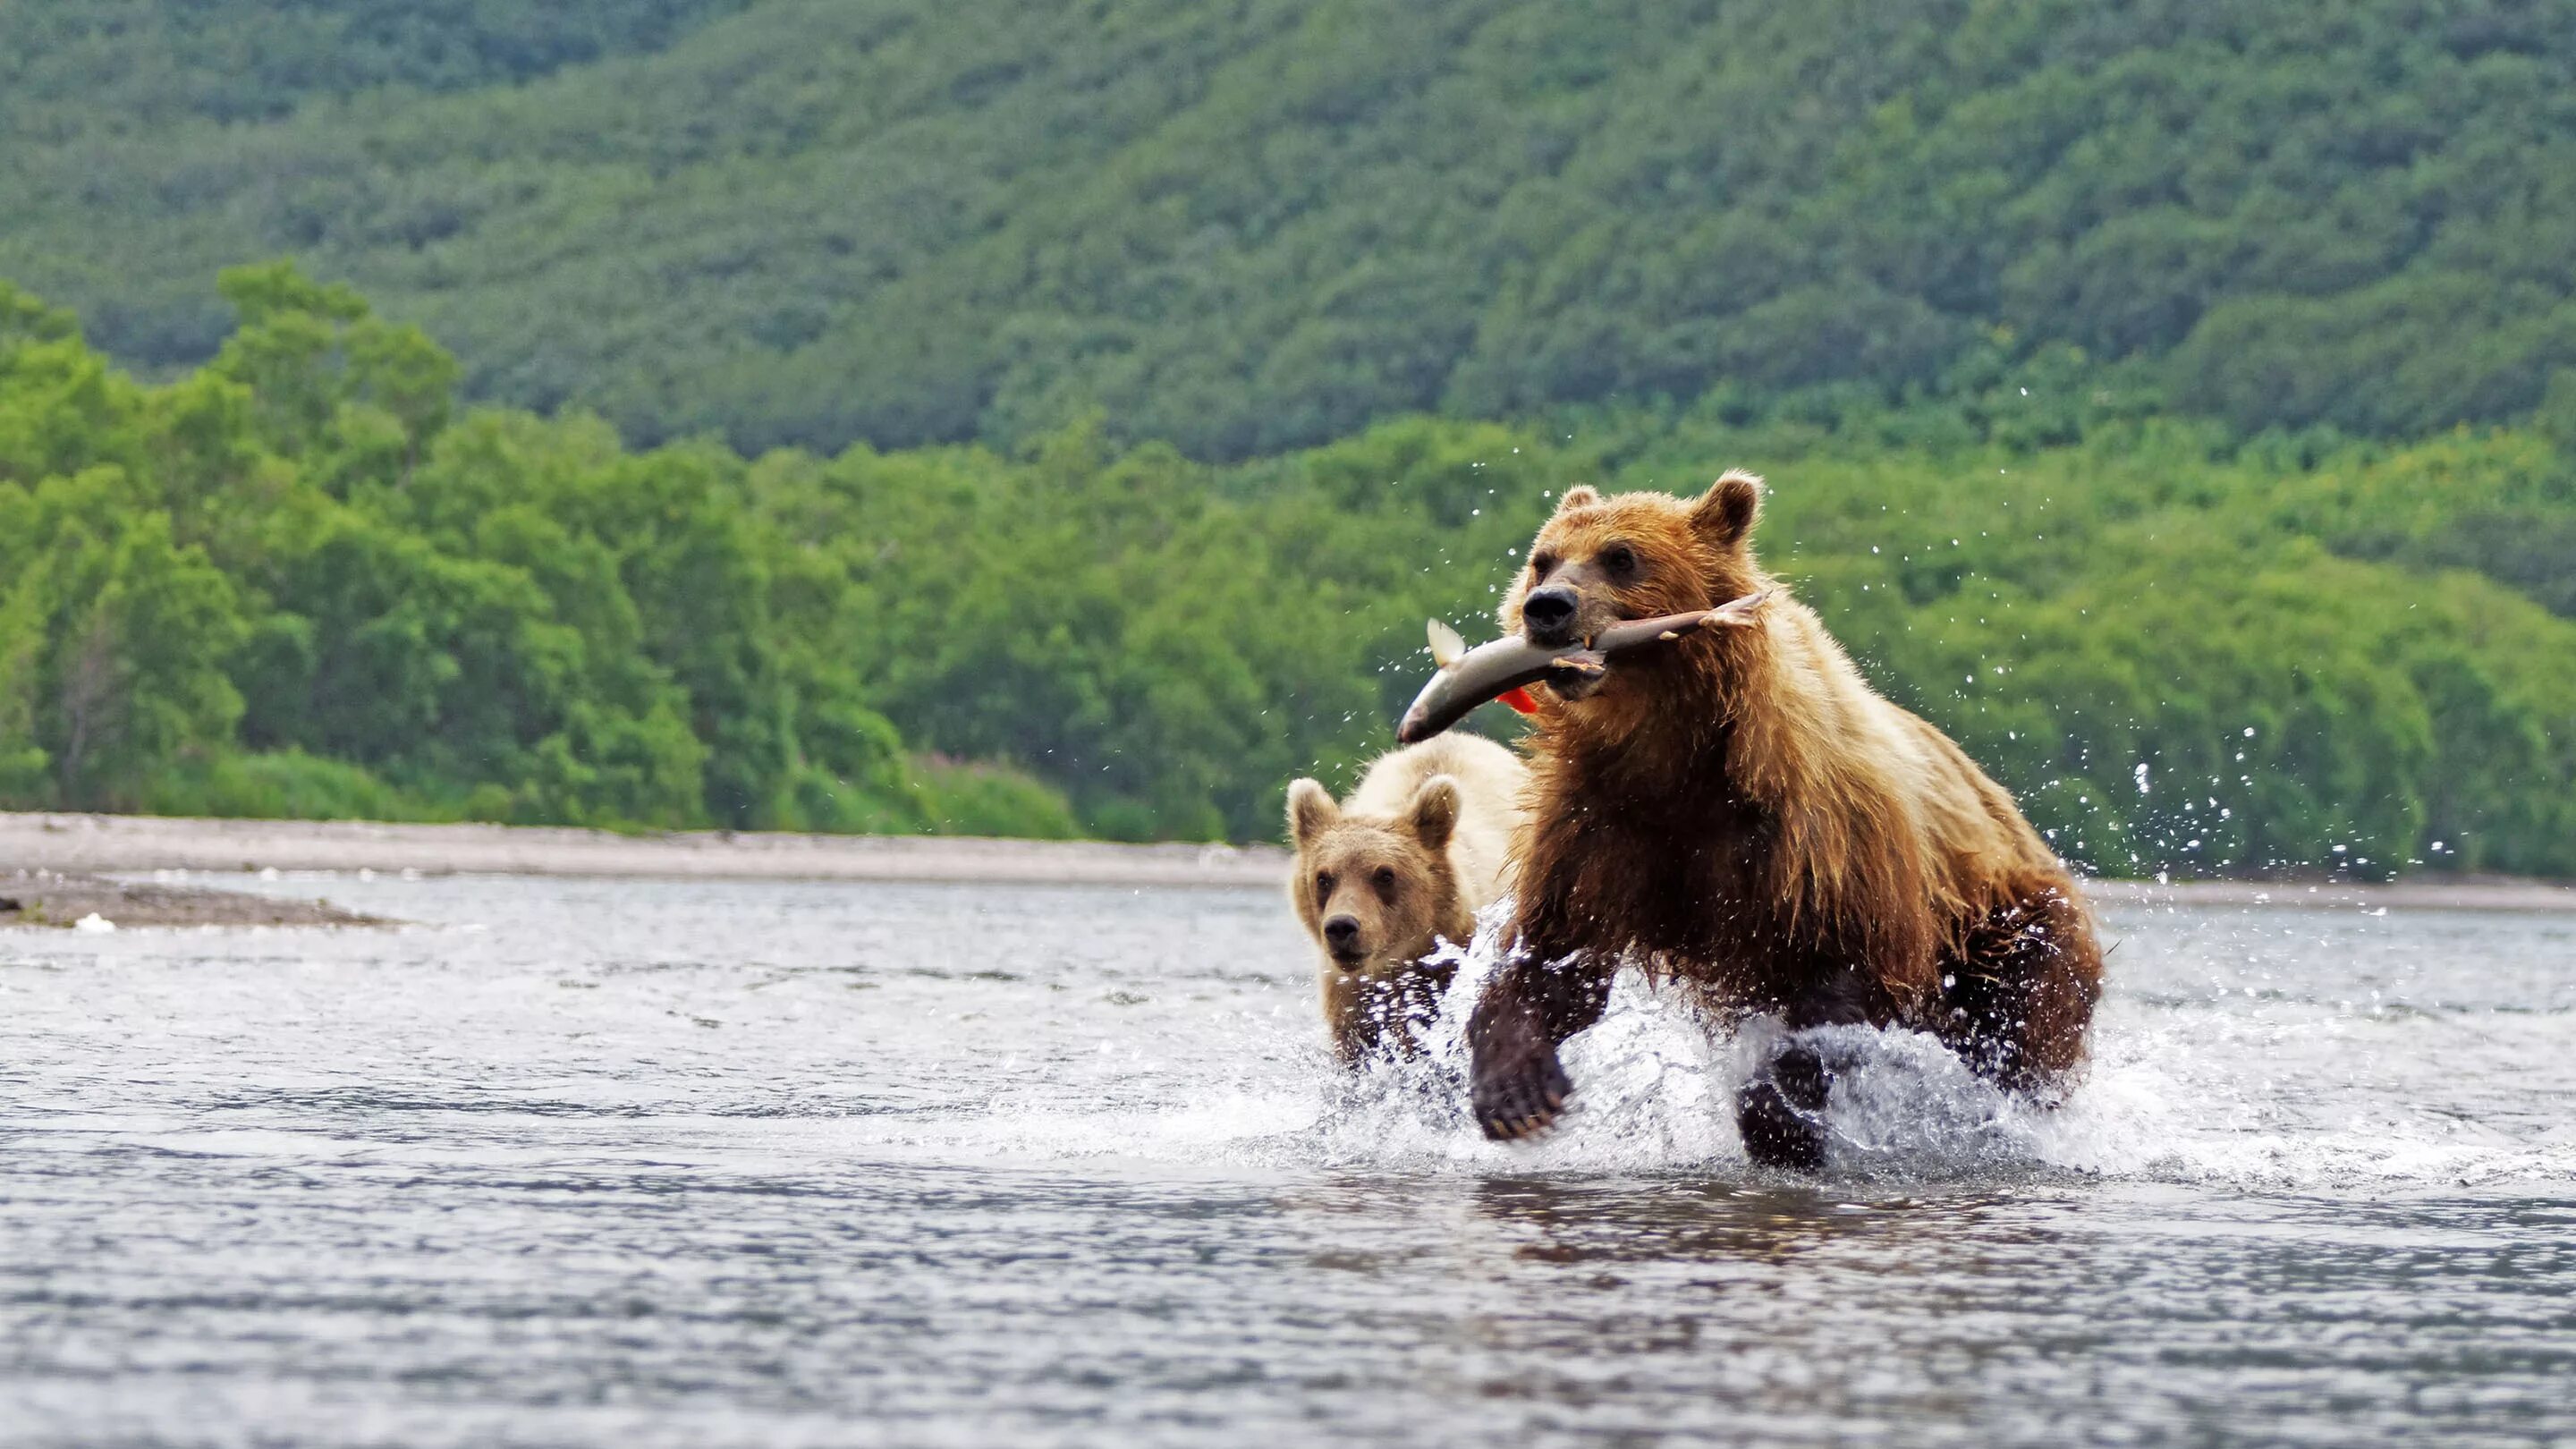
1468, 679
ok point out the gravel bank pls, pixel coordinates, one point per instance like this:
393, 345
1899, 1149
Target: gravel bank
97, 844
74, 901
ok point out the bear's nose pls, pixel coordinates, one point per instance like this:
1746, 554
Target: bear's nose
1342, 933
1547, 615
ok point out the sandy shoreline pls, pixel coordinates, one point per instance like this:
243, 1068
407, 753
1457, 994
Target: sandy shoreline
101, 843
109, 843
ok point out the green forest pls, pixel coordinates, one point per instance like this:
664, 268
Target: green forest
306, 580
1059, 419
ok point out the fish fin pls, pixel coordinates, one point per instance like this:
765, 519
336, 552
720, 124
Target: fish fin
1585, 662
1739, 613
1446, 646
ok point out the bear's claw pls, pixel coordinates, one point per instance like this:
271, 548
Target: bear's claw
1522, 1099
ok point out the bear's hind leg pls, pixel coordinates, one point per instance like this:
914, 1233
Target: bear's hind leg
2017, 1002
1781, 1112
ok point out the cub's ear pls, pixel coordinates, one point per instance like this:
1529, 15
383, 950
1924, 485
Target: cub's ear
1432, 814
1311, 812
1726, 512
1581, 495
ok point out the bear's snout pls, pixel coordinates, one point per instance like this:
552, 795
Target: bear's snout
1547, 615
1342, 938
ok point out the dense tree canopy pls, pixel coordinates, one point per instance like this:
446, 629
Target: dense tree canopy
1253, 227
296, 582
305, 579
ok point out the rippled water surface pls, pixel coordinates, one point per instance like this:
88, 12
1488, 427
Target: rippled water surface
638, 1163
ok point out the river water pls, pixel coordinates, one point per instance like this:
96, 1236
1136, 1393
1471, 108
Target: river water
639, 1163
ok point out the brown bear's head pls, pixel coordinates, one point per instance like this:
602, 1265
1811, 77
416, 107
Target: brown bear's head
1633, 556
1375, 891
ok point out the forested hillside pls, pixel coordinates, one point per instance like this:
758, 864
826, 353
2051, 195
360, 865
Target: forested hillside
1260, 225
306, 580
1046, 418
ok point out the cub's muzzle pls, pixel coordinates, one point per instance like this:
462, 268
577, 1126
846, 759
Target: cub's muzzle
1342, 938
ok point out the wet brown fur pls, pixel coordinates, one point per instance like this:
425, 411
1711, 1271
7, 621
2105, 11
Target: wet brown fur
1745, 815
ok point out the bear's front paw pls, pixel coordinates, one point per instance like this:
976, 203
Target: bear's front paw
1519, 1089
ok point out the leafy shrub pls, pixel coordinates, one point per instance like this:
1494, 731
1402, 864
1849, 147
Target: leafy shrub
965, 798
284, 785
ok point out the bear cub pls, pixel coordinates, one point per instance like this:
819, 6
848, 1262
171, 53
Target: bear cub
1382, 877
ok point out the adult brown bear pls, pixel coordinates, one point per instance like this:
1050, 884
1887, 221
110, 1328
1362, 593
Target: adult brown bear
1743, 814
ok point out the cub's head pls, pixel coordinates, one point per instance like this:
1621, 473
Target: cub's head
1375, 890
1633, 556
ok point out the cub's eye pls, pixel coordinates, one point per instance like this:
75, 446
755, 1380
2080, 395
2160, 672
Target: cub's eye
1542, 564
1323, 885
1619, 558
1385, 880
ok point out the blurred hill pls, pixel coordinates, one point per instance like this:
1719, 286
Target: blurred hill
1259, 225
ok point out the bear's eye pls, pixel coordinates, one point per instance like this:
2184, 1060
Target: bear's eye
1542, 564
1386, 881
1323, 885
1619, 558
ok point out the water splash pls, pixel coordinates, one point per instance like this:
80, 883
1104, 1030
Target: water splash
2200, 1085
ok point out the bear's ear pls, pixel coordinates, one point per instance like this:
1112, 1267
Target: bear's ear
1726, 512
1433, 812
1581, 495
1311, 812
